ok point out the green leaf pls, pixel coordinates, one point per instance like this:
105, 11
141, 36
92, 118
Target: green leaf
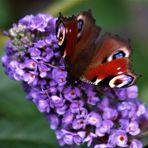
28, 130
5, 10
144, 94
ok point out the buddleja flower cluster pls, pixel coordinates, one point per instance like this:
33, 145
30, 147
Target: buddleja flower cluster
77, 112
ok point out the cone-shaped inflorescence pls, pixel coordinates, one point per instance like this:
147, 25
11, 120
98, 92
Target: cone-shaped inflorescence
78, 113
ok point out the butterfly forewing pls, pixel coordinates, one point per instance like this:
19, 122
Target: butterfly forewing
85, 47
79, 46
66, 30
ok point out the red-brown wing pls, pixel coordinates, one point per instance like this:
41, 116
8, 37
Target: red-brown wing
89, 57
66, 32
79, 45
110, 61
85, 47
107, 46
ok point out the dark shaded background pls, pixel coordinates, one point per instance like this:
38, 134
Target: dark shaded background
21, 125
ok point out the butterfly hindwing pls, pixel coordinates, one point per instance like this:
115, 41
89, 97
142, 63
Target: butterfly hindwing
111, 62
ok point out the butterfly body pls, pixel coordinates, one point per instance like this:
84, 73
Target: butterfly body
92, 58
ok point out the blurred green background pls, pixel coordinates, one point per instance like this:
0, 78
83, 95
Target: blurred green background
21, 125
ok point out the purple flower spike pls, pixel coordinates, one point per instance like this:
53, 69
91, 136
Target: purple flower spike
59, 76
43, 106
57, 101
71, 93
94, 119
110, 114
130, 127
68, 139
76, 105
68, 118
89, 139
79, 113
104, 128
34, 52
102, 146
92, 98
118, 138
39, 23
54, 121
133, 128
79, 137
40, 44
132, 92
82, 113
79, 124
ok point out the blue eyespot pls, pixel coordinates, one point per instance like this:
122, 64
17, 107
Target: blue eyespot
119, 55
79, 25
121, 81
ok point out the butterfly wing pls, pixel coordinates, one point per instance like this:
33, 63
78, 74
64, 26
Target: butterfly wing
78, 46
90, 58
66, 32
110, 63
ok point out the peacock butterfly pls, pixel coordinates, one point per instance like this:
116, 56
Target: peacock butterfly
91, 58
